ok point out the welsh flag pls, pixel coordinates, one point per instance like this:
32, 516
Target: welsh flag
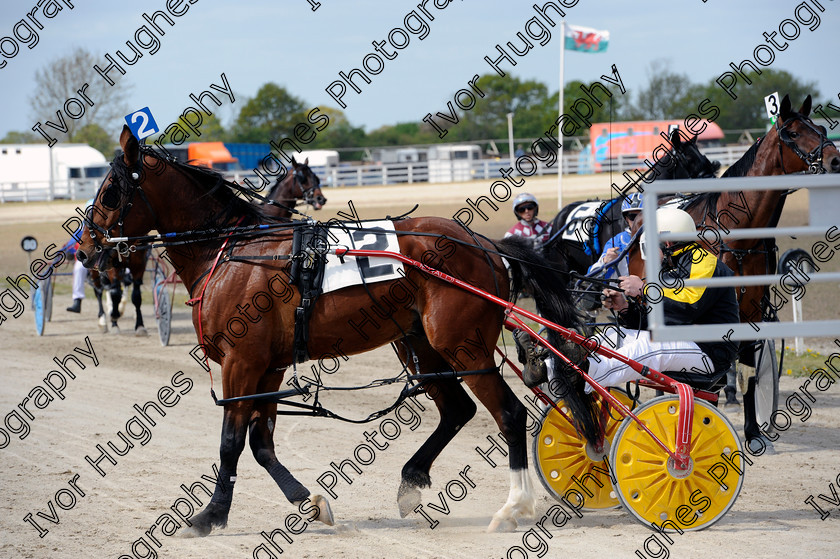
586, 39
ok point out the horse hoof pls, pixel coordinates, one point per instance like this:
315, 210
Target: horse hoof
115, 330
141, 332
320, 510
195, 531
103, 324
408, 497
502, 525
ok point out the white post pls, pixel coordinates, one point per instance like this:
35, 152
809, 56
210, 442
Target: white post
51, 194
797, 317
510, 137
559, 130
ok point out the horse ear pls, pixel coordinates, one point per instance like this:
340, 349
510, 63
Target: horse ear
676, 139
307, 161
130, 146
805, 109
785, 109
294, 163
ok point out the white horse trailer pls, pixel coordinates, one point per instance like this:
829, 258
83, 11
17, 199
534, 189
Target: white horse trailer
452, 163
38, 172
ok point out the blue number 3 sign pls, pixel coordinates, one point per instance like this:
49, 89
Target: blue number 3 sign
142, 123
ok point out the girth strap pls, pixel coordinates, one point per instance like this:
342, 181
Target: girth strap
309, 246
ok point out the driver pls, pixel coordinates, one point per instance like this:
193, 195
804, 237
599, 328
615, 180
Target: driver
683, 305
631, 208
79, 271
526, 208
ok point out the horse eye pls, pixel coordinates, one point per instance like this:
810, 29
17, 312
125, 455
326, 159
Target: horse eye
793, 135
111, 197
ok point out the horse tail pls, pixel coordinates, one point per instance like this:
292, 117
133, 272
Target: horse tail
534, 274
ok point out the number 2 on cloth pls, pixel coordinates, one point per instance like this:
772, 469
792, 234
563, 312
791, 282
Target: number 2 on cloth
380, 241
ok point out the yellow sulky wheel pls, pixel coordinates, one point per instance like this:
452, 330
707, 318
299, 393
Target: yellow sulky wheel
563, 462
649, 486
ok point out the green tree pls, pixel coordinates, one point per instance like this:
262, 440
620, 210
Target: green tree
667, 95
16, 137
402, 134
211, 130
573, 92
96, 137
271, 114
339, 133
748, 110
502, 95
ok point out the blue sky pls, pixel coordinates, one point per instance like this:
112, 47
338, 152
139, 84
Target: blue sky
257, 41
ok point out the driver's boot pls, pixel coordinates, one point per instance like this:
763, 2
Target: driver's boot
532, 355
76, 306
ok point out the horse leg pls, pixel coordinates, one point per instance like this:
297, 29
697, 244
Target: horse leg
137, 300
103, 323
116, 294
455, 407
234, 430
511, 417
261, 439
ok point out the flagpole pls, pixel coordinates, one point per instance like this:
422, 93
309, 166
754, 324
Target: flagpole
560, 128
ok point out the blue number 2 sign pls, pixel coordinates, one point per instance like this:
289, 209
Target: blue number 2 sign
142, 123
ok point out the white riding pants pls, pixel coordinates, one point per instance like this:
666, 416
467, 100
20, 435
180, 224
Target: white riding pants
660, 356
79, 277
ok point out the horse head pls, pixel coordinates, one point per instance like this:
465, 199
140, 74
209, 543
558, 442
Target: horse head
307, 185
801, 144
121, 208
692, 163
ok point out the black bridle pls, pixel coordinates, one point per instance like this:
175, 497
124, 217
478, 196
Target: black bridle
307, 194
812, 159
113, 194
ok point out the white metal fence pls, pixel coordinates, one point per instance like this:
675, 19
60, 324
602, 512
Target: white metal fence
34, 191
374, 174
824, 199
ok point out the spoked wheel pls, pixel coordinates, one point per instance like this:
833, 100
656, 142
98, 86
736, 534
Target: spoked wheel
651, 488
163, 311
49, 298
40, 304
766, 383
561, 457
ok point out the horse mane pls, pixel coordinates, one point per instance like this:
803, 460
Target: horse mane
743, 165
211, 182
273, 190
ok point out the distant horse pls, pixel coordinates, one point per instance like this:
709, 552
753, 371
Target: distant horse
445, 328
795, 144
300, 184
577, 242
130, 272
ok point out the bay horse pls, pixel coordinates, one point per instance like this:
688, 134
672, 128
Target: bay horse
795, 144
683, 161
301, 184
179, 198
